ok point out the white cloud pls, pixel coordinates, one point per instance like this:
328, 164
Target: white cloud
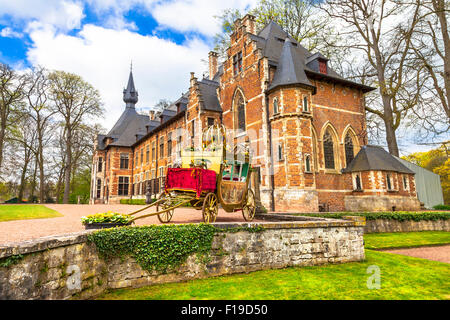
10, 33
63, 14
102, 57
195, 15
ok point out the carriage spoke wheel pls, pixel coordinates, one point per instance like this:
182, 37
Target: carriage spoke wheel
164, 217
249, 208
210, 208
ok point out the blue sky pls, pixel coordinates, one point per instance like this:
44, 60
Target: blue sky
97, 39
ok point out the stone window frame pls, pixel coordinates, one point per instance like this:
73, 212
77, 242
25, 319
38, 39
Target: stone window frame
169, 144
336, 151
147, 154
280, 154
141, 151
349, 131
355, 183
127, 184
237, 63
239, 96
305, 103
308, 162
161, 147
99, 189
405, 178
154, 151
123, 160
100, 164
390, 182
276, 106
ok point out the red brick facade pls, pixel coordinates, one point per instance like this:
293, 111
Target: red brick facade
292, 130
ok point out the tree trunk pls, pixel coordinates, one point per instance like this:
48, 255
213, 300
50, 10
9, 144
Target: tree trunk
68, 170
33, 181
22, 181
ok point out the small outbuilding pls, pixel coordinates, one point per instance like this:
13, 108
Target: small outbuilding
380, 182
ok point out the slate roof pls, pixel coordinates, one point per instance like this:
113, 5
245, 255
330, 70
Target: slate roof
291, 68
375, 158
209, 94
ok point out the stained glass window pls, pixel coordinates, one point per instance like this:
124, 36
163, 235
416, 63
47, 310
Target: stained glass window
328, 150
349, 154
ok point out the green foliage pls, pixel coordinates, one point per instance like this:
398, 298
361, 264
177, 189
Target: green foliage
155, 247
397, 215
9, 261
134, 201
81, 184
442, 207
108, 217
405, 239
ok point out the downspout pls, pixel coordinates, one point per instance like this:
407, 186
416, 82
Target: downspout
271, 171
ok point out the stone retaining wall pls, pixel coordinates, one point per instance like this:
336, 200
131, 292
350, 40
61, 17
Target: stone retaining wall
69, 267
385, 225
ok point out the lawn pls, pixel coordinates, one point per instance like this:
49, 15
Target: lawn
402, 278
405, 239
26, 211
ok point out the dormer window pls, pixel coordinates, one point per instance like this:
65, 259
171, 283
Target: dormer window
323, 66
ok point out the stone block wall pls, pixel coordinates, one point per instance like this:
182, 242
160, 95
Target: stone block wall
68, 267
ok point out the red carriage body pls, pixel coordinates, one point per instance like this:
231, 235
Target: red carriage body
196, 180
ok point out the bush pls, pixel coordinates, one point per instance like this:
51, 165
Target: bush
397, 215
134, 201
108, 217
442, 207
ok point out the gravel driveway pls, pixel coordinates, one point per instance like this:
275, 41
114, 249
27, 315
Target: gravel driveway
20, 230
436, 253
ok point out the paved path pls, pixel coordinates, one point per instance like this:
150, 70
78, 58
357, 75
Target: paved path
20, 230
437, 253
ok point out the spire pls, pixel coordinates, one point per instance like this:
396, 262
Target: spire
130, 95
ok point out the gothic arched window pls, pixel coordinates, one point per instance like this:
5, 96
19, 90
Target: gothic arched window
349, 149
239, 111
328, 150
308, 163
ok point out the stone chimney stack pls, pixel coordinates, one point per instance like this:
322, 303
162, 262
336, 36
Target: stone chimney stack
193, 79
213, 64
152, 115
249, 22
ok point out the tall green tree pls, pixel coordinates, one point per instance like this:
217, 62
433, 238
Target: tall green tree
77, 102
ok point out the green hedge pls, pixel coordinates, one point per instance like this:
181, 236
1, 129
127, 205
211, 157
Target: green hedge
134, 201
442, 207
398, 215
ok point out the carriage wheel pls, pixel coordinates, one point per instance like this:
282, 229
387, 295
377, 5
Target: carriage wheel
164, 217
210, 208
249, 208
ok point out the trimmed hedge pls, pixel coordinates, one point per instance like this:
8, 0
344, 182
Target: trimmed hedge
398, 215
442, 207
134, 201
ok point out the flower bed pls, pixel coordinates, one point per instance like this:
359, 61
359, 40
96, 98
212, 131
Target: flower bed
106, 220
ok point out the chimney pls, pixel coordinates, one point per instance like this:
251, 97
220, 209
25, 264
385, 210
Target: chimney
213, 60
152, 115
249, 22
193, 79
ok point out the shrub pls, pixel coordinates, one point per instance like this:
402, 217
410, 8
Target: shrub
135, 201
397, 215
108, 217
442, 207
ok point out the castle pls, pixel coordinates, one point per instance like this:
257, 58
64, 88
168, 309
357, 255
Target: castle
306, 125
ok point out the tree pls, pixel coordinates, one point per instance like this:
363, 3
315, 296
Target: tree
11, 97
76, 101
40, 111
300, 18
431, 47
382, 30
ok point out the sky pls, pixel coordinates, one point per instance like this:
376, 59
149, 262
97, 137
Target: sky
99, 39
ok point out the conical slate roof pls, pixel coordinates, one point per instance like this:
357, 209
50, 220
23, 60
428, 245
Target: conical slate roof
375, 158
291, 68
130, 95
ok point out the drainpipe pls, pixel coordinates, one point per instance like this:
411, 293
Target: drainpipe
271, 171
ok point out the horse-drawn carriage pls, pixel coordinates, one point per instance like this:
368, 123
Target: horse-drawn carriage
208, 177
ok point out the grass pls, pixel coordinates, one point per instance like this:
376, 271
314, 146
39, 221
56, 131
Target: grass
26, 211
405, 239
402, 278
